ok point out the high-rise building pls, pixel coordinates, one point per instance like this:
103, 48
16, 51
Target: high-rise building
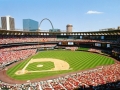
7, 23
30, 25
69, 28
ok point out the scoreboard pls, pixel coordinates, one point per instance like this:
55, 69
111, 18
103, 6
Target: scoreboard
66, 43
103, 45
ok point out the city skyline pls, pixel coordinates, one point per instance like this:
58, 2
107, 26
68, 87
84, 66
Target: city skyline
84, 15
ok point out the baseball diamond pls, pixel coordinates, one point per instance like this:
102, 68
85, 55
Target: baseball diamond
56, 62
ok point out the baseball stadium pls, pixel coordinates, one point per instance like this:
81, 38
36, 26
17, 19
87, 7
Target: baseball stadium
57, 60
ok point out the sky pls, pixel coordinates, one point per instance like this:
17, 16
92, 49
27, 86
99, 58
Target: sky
84, 15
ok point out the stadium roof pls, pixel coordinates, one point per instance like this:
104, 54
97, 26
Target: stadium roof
10, 32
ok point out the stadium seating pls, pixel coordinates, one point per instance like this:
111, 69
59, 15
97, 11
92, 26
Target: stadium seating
11, 56
95, 50
71, 48
104, 77
21, 39
26, 47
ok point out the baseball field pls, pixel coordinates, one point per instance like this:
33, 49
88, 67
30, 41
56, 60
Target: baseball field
50, 63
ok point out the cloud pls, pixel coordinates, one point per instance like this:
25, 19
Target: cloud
94, 12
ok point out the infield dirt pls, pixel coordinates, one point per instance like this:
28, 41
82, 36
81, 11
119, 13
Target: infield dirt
58, 65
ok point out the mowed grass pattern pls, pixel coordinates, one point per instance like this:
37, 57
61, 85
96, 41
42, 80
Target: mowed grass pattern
77, 60
46, 66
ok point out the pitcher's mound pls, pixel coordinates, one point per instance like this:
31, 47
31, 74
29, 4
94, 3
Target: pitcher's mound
39, 65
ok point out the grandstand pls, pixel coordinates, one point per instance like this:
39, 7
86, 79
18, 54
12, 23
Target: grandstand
17, 46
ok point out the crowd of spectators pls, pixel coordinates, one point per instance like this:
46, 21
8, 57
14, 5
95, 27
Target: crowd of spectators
71, 48
45, 38
95, 50
102, 78
12, 56
19, 39
26, 47
88, 40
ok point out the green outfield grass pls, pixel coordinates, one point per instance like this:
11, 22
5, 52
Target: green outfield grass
77, 60
83, 48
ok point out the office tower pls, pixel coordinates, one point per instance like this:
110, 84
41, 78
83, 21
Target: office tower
7, 23
30, 25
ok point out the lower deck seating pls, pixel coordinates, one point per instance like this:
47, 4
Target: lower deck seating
11, 56
95, 50
104, 77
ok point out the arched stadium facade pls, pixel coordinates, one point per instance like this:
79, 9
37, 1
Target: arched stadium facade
19, 45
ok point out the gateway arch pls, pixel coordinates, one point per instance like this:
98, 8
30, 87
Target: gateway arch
48, 20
